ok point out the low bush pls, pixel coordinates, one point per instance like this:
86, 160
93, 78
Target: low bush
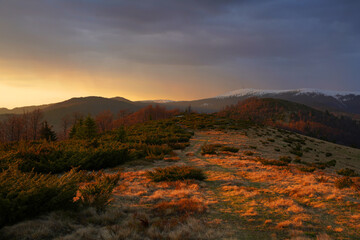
248, 153
347, 172
272, 162
26, 195
306, 169
177, 146
287, 159
296, 149
229, 149
343, 182
328, 154
296, 152
331, 163
98, 192
63, 157
210, 148
176, 173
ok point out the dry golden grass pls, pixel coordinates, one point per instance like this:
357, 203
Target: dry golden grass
279, 200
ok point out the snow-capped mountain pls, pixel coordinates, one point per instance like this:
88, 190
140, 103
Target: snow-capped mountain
335, 101
303, 91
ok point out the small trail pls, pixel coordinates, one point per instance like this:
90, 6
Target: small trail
221, 213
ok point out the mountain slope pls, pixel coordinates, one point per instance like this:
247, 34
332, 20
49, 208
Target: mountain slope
296, 117
87, 105
54, 113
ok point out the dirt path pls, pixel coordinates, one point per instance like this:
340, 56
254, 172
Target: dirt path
221, 214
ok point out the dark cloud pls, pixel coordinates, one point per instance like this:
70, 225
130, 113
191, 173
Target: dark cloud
269, 42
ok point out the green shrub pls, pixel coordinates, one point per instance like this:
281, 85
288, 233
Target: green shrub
328, 154
296, 152
26, 195
343, 182
297, 159
297, 149
248, 153
210, 148
331, 163
63, 156
229, 149
176, 173
98, 192
307, 169
84, 129
177, 146
347, 172
287, 159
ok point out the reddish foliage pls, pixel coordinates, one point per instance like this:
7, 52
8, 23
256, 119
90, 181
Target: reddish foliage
296, 117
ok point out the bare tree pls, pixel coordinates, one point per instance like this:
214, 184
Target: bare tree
12, 128
35, 120
26, 126
2, 131
65, 124
104, 121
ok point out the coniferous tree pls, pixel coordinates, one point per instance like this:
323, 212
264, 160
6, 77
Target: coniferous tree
47, 133
84, 129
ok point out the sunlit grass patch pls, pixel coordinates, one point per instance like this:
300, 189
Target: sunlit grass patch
272, 162
184, 206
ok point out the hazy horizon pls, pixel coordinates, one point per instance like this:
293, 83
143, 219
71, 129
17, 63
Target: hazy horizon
232, 92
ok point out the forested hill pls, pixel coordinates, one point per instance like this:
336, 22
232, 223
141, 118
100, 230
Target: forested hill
297, 117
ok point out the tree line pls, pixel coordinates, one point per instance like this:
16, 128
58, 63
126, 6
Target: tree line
31, 126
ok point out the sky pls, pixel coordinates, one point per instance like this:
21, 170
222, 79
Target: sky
52, 50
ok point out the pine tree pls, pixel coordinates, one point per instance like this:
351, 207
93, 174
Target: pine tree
47, 133
84, 129
89, 128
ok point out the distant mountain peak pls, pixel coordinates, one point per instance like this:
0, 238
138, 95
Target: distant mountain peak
301, 91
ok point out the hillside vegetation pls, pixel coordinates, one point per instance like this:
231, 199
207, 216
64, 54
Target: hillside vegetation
158, 174
296, 117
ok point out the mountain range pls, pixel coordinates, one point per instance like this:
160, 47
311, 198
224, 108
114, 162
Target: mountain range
347, 103
334, 101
